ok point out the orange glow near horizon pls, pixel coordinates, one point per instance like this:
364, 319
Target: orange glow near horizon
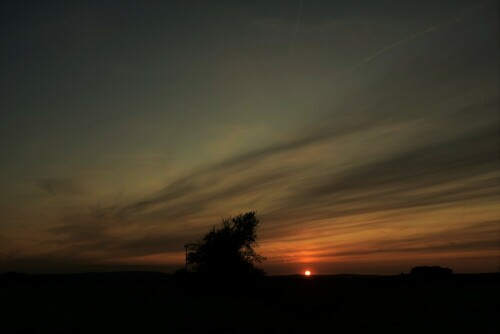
307, 273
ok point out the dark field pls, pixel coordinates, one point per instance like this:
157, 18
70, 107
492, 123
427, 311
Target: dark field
159, 303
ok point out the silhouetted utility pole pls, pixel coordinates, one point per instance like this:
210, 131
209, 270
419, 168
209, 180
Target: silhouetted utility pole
187, 246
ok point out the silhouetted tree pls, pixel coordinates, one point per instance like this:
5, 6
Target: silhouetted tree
228, 250
431, 270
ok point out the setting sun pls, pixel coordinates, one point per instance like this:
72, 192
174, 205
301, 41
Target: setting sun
307, 273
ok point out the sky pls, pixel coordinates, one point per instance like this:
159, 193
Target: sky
365, 134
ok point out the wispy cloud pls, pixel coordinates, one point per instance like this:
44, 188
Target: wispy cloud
341, 164
60, 186
436, 175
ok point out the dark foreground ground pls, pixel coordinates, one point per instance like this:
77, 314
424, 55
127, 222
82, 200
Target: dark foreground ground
160, 303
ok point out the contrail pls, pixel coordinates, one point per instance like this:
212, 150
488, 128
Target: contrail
296, 30
411, 37
299, 14
404, 41
181, 106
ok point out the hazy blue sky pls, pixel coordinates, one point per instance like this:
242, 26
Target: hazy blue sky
365, 133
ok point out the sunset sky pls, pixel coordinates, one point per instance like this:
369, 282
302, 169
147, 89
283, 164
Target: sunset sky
365, 134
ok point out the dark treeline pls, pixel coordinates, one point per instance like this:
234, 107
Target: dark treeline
152, 302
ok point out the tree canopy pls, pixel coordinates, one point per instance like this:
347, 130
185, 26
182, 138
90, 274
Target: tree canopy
228, 250
431, 270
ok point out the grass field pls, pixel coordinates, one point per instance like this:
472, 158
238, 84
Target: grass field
158, 303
